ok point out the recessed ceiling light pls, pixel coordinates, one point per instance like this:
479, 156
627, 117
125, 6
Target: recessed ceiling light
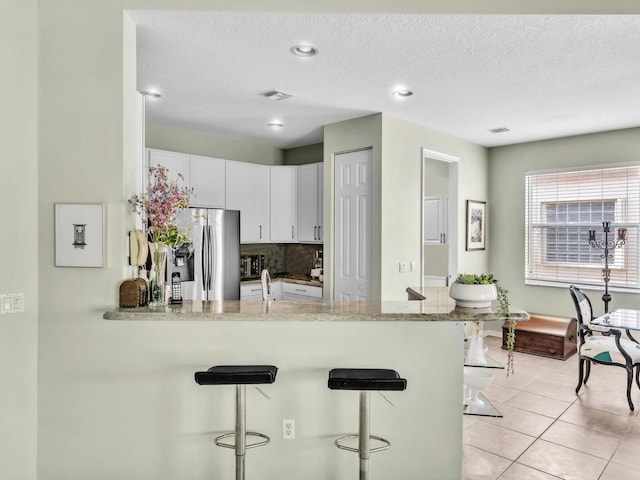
149, 93
402, 93
275, 125
304, 50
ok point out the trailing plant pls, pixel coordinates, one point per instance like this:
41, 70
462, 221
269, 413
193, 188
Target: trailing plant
503, 307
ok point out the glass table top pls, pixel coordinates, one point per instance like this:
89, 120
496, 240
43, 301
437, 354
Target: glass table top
622, 318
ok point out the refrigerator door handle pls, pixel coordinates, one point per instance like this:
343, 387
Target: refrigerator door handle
206, 258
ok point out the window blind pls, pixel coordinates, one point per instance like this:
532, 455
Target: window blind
561, 208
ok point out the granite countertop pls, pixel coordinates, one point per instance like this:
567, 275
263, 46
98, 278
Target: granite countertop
297, 278
437, 307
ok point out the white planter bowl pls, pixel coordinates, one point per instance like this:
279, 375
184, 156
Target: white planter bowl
473, 296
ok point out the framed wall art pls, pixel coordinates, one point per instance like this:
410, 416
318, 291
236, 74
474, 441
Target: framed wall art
476, 225
79, 235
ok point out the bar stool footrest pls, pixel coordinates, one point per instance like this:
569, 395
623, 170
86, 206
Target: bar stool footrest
248, 434
386, 443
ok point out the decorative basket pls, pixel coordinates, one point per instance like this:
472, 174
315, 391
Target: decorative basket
144, 291
129, 294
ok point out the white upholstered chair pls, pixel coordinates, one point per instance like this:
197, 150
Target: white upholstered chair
603, 345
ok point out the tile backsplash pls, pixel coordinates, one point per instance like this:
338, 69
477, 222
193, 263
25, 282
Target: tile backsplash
284, 257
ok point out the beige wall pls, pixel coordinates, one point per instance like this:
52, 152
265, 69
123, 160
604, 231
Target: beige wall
19, 239
357, 134
183, 140
402, 198
507, 168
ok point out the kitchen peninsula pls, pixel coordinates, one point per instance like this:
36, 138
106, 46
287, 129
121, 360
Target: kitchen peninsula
422, 340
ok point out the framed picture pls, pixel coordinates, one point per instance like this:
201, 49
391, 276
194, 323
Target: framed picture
79, 235
476, 225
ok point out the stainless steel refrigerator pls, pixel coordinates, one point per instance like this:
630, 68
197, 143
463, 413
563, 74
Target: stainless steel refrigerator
209, 266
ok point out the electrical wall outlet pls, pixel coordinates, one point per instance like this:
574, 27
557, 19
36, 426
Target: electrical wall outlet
288, 428
2, 300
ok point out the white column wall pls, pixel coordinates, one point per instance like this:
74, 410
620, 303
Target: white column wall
19, 237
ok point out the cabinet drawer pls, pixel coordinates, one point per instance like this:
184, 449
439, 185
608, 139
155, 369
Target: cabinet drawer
302, 290
253, 291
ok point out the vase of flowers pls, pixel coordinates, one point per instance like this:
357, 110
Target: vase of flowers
158, 208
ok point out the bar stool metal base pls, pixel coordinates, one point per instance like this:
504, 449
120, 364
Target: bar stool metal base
225, 375
247, 434
364, 380
387, 443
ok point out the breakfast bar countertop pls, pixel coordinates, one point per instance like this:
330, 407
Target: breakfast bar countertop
437, 306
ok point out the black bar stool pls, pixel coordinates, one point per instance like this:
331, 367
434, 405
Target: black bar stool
365, 380
240, 376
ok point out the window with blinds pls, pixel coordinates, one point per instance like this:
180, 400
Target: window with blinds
561, 208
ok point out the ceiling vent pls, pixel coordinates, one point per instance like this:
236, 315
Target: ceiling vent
499, 130
277, 95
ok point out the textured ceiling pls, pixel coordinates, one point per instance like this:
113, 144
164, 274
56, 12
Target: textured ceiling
541, 76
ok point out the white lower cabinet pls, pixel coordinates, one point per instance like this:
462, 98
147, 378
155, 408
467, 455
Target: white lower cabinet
281, 291
294, 291
253, 291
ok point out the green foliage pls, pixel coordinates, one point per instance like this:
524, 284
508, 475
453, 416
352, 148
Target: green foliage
473, 279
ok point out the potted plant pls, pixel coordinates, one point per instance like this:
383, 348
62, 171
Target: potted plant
474, 291
479, 291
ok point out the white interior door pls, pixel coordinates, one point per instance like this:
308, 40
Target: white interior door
353, 213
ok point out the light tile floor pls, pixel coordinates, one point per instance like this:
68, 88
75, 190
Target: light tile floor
549, 432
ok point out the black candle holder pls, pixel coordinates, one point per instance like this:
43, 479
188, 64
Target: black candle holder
605, 244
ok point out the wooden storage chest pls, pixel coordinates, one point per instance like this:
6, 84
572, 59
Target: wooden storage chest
545, 335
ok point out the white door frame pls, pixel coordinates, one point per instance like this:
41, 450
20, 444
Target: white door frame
453, 162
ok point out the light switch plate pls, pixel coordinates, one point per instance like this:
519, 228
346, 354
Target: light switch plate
6, 304
17, 302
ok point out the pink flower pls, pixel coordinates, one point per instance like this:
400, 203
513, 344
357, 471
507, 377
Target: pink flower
160, 205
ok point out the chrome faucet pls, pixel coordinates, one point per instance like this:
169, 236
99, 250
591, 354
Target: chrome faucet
265, 280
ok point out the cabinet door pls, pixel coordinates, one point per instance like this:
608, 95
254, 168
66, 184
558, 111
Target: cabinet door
435, 220
320, 199
309, 203
283, 199
253, 291
176, 163
292, 291
248, 191
207, 180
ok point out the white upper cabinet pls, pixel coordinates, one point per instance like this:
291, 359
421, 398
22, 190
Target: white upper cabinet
207, 178
310, 203
248, 191
435, 220
176, 163
283, 203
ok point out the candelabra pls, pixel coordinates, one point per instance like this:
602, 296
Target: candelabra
605, 245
